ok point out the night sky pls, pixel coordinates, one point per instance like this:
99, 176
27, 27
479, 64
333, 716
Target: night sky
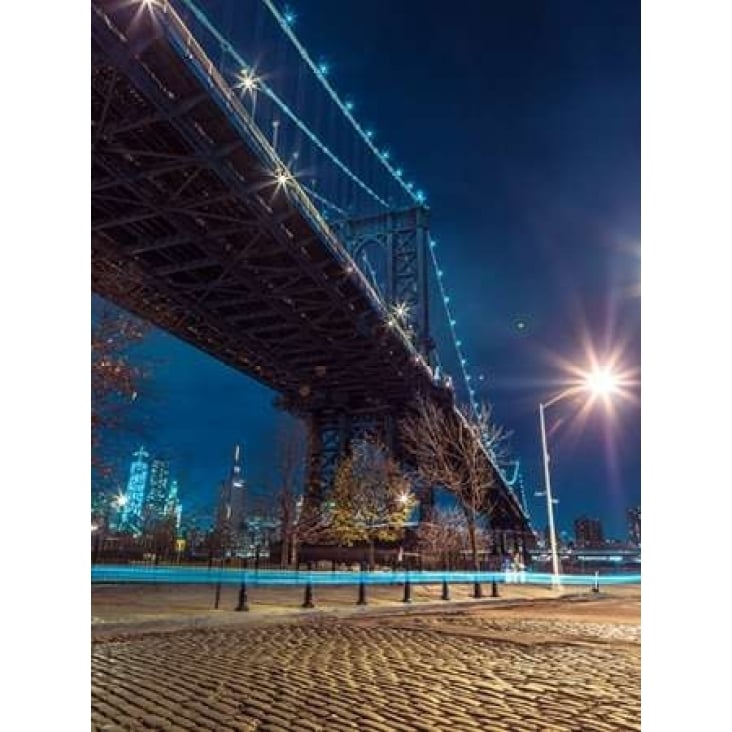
521, 121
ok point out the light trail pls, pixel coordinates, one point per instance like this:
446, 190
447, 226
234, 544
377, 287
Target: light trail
123, 574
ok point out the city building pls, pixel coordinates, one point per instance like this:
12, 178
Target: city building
588, 533
156, 495
634, 526
230, 514
151, 496
132, 512
173, 505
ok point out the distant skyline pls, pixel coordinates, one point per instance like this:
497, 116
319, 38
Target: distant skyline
522, 123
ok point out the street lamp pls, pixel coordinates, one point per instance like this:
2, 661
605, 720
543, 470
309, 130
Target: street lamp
598, 382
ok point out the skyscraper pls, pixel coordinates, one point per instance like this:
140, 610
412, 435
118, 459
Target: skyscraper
588, 533
634, 525
173, 505
135, 495
157, 490
230, 523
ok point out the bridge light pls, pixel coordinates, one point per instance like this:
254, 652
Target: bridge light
323, 68
369, 134
385, 154
447, 299
401, 310
453, 322
433, 243
458, 343
248, 80
420, 197
398, 172
349, 105
290, 16
440, 273
282, 177
410, 186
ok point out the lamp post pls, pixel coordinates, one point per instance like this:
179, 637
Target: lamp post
549, 499
598, 382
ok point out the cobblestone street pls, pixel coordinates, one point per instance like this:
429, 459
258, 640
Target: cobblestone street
556, 665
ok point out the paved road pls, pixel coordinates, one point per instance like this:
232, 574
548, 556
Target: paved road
556, 665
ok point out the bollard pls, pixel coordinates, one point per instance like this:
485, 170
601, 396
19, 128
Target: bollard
445, 589
596, 585
477, 590
407, 589
308, 602
494, 588
243, 599
362, 592
217, 596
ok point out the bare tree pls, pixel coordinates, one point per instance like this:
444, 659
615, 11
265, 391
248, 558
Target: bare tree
291, 456
444, 535
371, 499
452, 452
116, 380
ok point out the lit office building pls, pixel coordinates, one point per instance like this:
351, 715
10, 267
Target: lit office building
230, 523
157, 490
135, 495
173, 505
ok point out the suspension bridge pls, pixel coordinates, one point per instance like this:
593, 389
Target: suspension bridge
238, 203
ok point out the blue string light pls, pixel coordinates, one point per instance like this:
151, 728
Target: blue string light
457, 343
287, 29
203, 19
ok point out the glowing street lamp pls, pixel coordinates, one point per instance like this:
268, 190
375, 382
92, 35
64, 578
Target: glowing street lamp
599, 383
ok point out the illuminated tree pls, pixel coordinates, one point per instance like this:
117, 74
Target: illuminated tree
453, 453
371, 499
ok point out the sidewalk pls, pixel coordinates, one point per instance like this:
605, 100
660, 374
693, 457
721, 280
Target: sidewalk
135, 608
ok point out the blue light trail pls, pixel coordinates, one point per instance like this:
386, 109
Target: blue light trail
269, 577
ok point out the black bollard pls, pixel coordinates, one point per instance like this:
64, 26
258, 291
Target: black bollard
494, 588
217, 597
243, 598
308, 602
407, 589
445, 589
477, 590
362, 592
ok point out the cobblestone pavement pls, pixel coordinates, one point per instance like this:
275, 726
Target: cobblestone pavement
482, 670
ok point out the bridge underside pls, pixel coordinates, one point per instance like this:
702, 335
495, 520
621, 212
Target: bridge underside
191, 231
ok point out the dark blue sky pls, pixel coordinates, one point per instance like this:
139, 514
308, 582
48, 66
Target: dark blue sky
521, 121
